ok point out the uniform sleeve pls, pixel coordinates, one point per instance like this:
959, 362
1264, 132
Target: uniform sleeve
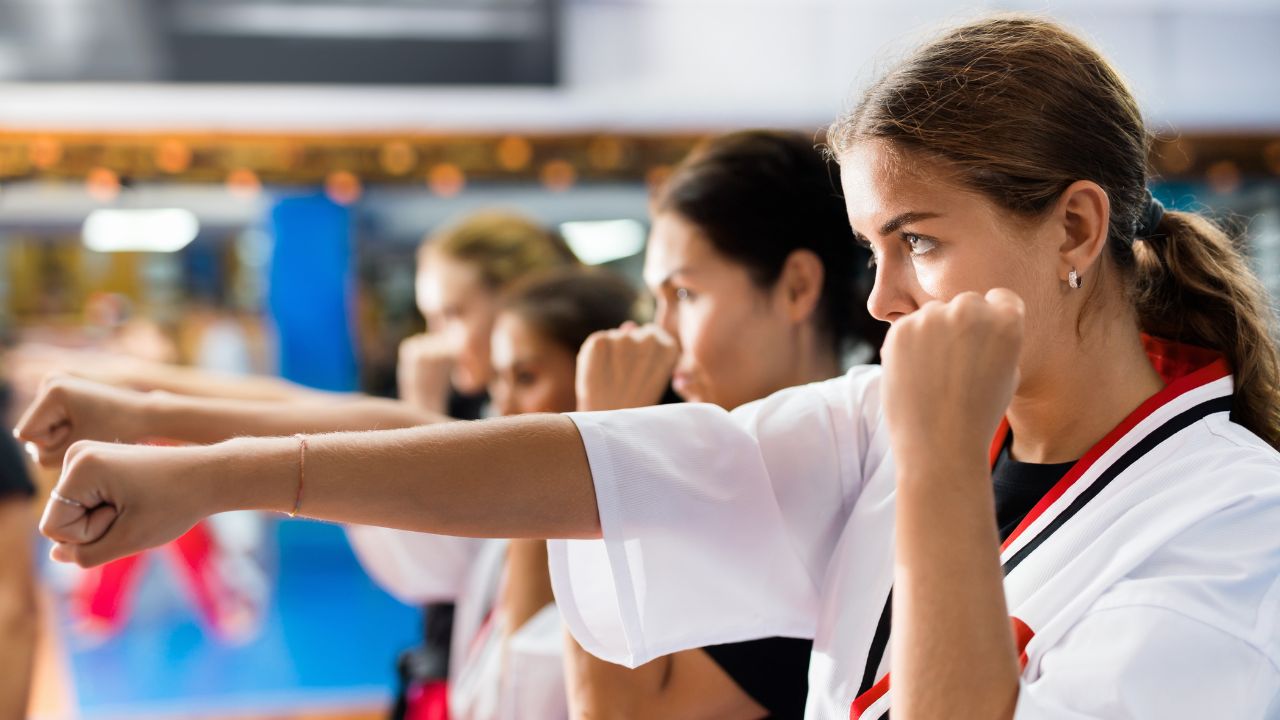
717, 527
1141, 662
414, 567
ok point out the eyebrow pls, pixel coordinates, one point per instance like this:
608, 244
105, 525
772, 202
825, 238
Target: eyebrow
682, 270
906, 219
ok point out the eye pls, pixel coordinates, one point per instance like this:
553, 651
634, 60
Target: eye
920, 245
525, 378
684, 294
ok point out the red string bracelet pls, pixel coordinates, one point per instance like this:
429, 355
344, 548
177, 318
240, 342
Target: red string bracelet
302, 473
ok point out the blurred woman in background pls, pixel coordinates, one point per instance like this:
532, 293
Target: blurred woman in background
758, 287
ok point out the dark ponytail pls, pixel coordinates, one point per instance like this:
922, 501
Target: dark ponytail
1193, 285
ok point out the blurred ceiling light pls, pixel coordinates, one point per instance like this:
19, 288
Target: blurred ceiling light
600, 241
44, 152
657, 176
343, 187
514, 153
102, 184
397, 157
167, 230
243, 184
1224, 177
356, 20
606, 153
446, 180
1272, 155
173, 156
558, 175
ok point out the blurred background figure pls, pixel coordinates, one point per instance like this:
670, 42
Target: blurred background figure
227, 200
18, 617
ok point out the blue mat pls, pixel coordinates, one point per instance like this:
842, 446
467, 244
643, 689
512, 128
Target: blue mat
328, 642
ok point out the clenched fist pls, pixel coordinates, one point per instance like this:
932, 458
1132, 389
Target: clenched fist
950, 370
67, 409
627, 367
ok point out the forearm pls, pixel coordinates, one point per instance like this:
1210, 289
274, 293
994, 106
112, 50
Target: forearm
195, 382
528, 584
953, 646
209, 420
523, 477
17, 609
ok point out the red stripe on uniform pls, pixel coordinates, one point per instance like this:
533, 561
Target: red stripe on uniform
1215, 370
1022, 634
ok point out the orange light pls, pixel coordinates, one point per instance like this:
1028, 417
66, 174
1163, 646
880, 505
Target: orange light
44, 152
1271, 153
343, 187
102, 184
514, 153
1177, 157
605, 153
173, 156
446, 180
657, 176
558, 175
1224, 177
397, 158
243, 183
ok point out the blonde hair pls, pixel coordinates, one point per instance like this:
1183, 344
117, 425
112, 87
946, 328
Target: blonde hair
503, 246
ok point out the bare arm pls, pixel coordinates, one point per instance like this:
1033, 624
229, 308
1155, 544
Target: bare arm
528, 585
32, 362
511, 477
17, 607
950, 372
70, 409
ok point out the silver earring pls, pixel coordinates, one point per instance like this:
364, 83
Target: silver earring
1073, 279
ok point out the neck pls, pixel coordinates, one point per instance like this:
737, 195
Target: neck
1083, 394
818, 361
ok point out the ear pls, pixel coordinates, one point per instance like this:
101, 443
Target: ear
1084, 211
799, 286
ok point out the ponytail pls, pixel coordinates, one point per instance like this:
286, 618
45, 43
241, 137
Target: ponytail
1192, 285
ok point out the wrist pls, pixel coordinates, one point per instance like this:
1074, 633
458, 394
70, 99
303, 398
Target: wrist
949, 465
151, 414
251, 474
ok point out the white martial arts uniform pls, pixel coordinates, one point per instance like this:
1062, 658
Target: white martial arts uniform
525, 684
1146, 584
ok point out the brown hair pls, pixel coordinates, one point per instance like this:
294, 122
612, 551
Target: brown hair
567, 305
1020, 108
760, 195
503, 246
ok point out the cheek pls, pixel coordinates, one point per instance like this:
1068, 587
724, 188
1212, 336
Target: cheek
700, 329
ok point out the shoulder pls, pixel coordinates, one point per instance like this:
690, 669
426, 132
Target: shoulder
1221, 567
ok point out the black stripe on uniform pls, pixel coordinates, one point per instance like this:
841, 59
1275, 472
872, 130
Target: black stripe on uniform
1171, 427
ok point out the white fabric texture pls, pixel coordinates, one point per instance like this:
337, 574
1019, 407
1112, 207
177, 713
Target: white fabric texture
522, 679
777, 519
416, 568
678, 521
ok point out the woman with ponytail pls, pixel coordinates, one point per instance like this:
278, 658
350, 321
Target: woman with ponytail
1058, 498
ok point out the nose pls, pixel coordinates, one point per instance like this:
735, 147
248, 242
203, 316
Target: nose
890, 297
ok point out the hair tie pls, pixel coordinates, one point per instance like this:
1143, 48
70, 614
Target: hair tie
1149, 219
